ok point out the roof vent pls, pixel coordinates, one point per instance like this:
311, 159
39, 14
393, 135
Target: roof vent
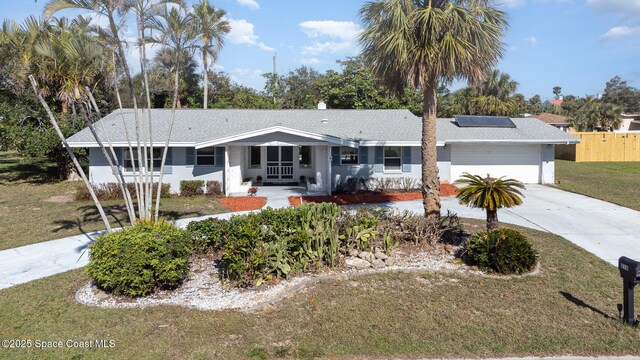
324, 121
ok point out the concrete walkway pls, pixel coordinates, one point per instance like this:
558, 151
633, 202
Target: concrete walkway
604, 229
32, 262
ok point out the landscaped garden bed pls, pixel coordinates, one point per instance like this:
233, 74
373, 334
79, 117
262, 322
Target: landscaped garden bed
260, 258
243, 203
204, 290
446, 190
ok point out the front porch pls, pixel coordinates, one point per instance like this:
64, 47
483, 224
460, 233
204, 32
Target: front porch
278, 195
277, 167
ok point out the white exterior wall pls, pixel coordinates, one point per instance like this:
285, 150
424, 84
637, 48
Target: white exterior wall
520, 162
367, 171
100, 172
321, 166
527, 163
548, 164
235, 156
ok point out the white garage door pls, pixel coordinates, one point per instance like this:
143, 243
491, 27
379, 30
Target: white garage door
520, 162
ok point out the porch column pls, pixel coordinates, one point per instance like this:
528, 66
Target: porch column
226, 170
328, 185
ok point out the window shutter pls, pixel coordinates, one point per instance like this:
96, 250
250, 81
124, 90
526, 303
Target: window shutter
220, 157
335, 156
379, 164
119, 156
168, 164
191, 156
363, 155
406, 159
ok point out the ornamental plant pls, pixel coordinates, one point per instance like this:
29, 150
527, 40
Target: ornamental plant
490, 194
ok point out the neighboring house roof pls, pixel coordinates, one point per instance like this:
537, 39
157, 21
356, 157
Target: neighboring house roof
552, 119
200, 128
557, 102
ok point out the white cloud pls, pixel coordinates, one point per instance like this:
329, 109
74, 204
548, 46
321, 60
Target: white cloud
133, 53
251, 4
344, 30
517, 3
532, 40
620, 31
512, 3
331, 47
330, 37
248, 77
242, 32
310, 61
615, 6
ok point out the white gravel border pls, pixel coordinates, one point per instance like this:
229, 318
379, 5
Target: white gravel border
203, 290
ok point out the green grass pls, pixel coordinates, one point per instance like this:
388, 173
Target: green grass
616, 182
568, 309
31, 210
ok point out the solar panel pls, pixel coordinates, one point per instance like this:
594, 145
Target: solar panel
484, 121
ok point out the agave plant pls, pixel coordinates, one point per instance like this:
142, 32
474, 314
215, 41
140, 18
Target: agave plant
490, 194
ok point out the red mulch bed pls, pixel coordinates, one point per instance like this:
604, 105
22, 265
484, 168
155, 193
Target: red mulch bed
243, 203
446, 190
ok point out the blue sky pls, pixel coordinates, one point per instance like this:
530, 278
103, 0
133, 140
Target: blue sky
575, 44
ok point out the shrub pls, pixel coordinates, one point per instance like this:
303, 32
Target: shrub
214, 188
271, 244
139, 259
111, 191
207, 234
387, 184
275, 243
407, 184
503, 251
191, 187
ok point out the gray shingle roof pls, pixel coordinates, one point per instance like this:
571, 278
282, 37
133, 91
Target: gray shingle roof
193, 126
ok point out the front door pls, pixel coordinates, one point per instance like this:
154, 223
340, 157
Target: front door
279, 162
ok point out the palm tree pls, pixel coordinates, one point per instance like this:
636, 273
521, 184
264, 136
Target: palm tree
594, 115
489, 194
211, 28
176, 31
425, 43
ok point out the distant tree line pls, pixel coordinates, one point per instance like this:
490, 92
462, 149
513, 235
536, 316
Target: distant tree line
64, 54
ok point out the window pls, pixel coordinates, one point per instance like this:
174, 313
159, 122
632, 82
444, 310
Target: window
129, 160
206, 156
348, 156
393, 158
255, 154
305, 156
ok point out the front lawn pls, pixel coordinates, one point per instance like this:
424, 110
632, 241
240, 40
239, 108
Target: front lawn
616, 182
36, 207
569, 309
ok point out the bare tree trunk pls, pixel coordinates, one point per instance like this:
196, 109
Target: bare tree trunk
125, 66
430, 179
492, 220
114, 164
126, 131
54, 123
166, 145
205, 65
147, 156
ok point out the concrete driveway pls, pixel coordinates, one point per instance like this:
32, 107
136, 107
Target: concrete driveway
604, 229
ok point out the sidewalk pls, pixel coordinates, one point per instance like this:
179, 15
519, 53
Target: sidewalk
32, 262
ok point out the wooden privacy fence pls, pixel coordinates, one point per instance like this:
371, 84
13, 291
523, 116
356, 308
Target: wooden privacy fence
602, 146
